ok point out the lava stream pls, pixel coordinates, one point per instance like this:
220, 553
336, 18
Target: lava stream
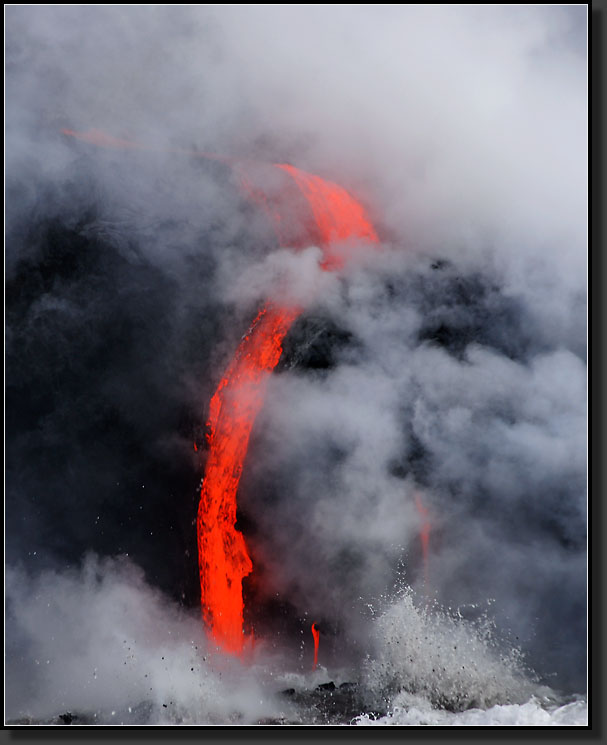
335, 217
223, 557
222, 552
316, 636
424, 534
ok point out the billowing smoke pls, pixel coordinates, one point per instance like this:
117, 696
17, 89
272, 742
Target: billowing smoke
446, 368
114, 649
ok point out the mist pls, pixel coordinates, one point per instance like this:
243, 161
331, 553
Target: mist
446, 365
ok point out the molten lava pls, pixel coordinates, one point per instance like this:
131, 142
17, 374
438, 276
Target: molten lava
222, 553
339, 217
223, 556
424, 533
316, 637
334, 217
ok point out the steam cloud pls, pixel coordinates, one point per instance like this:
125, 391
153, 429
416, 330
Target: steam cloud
449, 364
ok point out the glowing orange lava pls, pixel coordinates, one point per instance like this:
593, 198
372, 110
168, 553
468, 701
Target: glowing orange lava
334, 217
222, 553
424, 533
223, 556
339, 217
316, 639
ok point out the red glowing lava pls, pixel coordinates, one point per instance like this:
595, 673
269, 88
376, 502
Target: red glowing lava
223, 557
424, 533
222, 553
316, 639
333, 218
339, 217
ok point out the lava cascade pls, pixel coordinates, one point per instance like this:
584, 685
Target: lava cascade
222, 554
223, 557
336, 217
316, 637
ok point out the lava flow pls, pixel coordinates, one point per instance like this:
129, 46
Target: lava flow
222, 553
424, 534
223, 556
335, 217
316, 637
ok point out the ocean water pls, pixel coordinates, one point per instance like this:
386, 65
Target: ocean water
426, 426
409, 712
101, 646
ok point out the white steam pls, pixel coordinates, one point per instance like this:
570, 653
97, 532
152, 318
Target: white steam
102, 644
462, 377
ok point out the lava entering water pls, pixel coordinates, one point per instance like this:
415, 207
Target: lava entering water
223, 557
222, 553
316, 637
335, 217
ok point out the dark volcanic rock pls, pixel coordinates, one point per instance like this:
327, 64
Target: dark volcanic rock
326, 686
330, 704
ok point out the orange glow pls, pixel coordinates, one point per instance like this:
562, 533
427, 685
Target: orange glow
222, 552
223, 556
424, 533
316, 639
339, 217
334, 217
102, 139
97, 137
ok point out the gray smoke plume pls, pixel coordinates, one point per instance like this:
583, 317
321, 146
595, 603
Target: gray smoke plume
445, 368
